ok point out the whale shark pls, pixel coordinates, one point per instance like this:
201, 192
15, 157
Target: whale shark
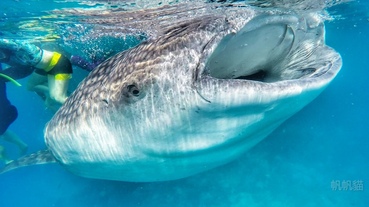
195, 96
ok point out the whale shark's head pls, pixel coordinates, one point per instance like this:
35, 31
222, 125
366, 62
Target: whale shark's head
193, 98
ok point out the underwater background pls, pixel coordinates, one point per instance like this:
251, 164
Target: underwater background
307, 161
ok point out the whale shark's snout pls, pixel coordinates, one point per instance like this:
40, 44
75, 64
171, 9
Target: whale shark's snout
197, 96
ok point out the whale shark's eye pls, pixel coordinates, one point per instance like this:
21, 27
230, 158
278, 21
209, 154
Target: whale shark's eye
133, 90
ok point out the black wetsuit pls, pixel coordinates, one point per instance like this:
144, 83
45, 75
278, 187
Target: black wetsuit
8, 112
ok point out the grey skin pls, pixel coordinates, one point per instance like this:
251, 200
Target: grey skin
195, 97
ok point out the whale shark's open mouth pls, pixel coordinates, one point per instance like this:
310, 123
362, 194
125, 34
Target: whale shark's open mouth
268, 49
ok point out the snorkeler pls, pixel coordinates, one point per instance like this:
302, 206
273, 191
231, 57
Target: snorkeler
9, 113
51, 70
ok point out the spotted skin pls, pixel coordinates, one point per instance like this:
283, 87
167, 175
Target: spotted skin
154, 112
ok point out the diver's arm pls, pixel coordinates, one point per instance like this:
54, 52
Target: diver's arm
18, 71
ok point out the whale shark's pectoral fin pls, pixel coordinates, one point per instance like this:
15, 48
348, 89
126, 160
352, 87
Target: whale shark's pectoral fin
37, 158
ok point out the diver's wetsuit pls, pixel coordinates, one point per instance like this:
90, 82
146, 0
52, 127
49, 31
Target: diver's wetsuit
25, 54
8, 112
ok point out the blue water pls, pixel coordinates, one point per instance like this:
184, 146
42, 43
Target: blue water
327, 141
